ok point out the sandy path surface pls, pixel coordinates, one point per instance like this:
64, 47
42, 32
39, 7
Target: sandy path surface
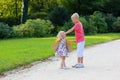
102, 62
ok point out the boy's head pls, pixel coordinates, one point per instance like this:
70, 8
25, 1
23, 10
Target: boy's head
61, 34
75, 17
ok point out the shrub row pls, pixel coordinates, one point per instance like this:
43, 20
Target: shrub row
32, 28
96, 23
5, 31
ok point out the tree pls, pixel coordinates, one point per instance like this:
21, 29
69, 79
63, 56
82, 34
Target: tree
110, 19
99, 22
83, 7
59, 16
112, 6
24, 11
116, 25
41, 8
10, 8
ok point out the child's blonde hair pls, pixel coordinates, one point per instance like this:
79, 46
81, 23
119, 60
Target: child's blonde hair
59, 34
75, 15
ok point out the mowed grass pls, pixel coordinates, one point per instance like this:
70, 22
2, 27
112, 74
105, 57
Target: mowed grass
20, 52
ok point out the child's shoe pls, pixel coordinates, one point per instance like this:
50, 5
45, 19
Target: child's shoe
78, 66
66, 68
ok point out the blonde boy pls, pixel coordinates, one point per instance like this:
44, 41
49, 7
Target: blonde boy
80, 40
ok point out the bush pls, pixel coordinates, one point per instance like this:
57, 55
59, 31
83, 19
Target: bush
38, 15
99, 22
88, 26
110, 19
10, 21
66, 27
5, 31
23, 31
34, 28
59, 16
116, 25
92, 24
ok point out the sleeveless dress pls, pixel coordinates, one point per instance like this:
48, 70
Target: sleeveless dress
61, 49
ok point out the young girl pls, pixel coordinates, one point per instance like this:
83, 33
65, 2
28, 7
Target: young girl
62, 48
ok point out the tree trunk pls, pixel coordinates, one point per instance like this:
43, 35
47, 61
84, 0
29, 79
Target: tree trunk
24, 11
16, 7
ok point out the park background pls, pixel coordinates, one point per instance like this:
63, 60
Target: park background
28, 27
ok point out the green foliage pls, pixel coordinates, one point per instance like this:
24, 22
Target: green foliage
10, 21
23, 31
112, 6
50, 5
116, 25
38, 15
34, 28
110, 19
66, 27
94, 23
57, 12
99, 22
40, 8
88, 26
58, 16
10, 8
83, 7
5, 31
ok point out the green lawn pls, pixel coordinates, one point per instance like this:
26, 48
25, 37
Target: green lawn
18, 52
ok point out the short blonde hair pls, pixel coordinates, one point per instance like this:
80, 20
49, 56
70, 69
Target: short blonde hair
75, 15
59, 34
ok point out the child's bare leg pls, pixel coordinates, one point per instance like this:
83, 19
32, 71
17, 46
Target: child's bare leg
63, 62
80, 59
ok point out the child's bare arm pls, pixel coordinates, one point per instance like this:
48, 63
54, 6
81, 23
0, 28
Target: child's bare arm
70, 30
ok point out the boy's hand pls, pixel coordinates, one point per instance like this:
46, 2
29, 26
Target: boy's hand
65, 33
70, 30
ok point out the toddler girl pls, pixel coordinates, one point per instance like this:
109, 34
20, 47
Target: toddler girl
62, 48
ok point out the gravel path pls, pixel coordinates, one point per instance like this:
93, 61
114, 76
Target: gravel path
102, 62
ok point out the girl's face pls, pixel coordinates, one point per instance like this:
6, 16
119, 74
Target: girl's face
63, 35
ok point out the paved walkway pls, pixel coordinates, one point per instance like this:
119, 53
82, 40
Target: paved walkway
102, 62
